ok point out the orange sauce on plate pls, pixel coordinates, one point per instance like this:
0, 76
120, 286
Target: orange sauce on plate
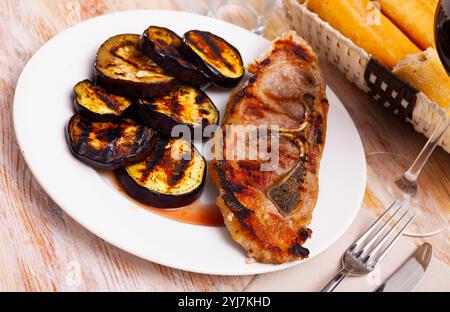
196, 213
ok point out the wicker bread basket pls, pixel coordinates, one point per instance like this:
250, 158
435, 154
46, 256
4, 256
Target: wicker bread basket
366, 72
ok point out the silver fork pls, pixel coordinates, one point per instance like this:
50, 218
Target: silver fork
365, 253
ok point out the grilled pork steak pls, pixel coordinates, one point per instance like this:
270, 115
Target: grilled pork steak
267, 212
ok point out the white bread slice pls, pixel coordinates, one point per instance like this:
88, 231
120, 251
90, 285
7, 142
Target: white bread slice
425, 72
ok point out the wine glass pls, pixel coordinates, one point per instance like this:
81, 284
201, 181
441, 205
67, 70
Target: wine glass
400, 179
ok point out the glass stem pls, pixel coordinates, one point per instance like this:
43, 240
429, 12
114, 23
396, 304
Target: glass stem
416, 168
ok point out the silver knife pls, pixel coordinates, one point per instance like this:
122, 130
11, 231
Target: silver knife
409, 275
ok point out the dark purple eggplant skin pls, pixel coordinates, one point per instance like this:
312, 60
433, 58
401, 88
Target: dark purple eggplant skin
170, 58
155, 199
132, 89
96, 117
162, 122
157, 120
86, 157
90, 115
120, 85
86, 113
212, 73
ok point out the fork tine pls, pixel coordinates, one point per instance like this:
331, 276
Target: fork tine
392, 243
364, 236
385, 237
374, 238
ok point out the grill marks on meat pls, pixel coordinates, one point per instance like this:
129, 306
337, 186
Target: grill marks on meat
268, 212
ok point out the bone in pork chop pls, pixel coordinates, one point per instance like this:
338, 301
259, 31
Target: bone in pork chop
268, 212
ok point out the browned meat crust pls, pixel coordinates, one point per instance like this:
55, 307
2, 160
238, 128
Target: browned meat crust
267, 212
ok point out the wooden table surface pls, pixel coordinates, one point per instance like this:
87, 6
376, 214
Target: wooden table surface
41, 248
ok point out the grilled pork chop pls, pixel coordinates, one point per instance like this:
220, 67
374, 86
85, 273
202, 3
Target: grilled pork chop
267, 212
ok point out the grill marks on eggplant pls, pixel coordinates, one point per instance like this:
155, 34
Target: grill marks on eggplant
172, 176
143, 68
142, 74
107, 144
178, 170
165, 47
94, 102
207, 46
185, 106
121, 67
215, 57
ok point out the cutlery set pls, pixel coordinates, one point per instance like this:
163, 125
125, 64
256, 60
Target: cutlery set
363, 256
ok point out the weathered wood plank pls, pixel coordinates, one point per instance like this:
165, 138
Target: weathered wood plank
41, 248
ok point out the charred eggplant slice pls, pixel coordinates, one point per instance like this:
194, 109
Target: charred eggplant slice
186, 106
94, 102
172, 176
164, 47
215, 57
107, 144
123, 69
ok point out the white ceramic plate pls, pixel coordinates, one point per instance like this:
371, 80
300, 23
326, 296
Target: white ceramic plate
42, 107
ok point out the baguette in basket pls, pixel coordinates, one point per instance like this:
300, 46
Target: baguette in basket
414, 17
425, 72
359, 63
363, 23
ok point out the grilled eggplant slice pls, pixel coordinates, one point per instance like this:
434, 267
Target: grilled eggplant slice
215, 57
172, 176
94, 102
109, 145
164, 47
186, 106
123, 69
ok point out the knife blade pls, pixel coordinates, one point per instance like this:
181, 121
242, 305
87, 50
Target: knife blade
410, 273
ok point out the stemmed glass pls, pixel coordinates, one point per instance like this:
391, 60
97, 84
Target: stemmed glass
400, 181
250, 14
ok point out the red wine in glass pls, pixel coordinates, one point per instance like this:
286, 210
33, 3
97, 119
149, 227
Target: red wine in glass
442, 33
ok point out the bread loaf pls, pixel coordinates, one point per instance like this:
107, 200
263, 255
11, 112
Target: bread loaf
366, 26
425, 72
414, 17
